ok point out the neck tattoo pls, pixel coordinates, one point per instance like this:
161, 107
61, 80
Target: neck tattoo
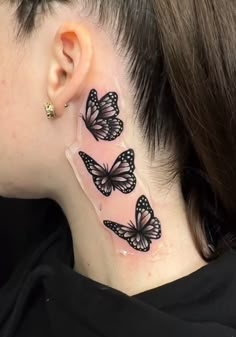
106, 180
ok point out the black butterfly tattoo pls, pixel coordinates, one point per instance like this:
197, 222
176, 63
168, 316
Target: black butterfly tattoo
146, 228
100, 116
119, 177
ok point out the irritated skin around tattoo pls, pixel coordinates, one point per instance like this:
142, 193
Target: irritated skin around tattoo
101, 120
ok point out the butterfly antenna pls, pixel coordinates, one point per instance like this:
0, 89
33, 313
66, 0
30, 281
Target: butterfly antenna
131, 223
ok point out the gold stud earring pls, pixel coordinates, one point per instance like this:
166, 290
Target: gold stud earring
50, 110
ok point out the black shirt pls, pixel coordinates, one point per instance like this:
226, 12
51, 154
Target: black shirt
47, 298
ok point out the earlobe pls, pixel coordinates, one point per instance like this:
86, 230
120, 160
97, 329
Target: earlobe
70, 64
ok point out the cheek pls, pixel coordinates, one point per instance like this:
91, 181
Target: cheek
10, 123
5, 116
15, 95
15, 136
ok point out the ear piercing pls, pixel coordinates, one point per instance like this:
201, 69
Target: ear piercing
50, 110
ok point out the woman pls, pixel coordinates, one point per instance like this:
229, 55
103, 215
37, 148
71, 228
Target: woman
123, 112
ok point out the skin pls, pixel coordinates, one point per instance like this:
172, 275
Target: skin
60, 63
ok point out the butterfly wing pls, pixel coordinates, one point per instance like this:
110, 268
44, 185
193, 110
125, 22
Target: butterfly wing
109, 111
129, 234
116, 127
146, 223
147, 227
100, 175
108, 106
99, 127
100, 116
121, 173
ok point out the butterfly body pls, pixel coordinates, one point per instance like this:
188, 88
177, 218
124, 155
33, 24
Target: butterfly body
119, 177
101, 116
146, 228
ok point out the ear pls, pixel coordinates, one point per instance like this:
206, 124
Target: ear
70, 64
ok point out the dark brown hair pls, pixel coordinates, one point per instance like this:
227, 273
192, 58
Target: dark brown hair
183, 67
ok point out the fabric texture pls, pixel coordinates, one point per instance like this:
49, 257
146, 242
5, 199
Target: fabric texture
47, 298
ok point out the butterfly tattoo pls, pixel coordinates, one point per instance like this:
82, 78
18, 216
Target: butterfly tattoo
100, 116
146, 228
119, 177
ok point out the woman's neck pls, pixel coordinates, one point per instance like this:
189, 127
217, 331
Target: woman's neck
102, 258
